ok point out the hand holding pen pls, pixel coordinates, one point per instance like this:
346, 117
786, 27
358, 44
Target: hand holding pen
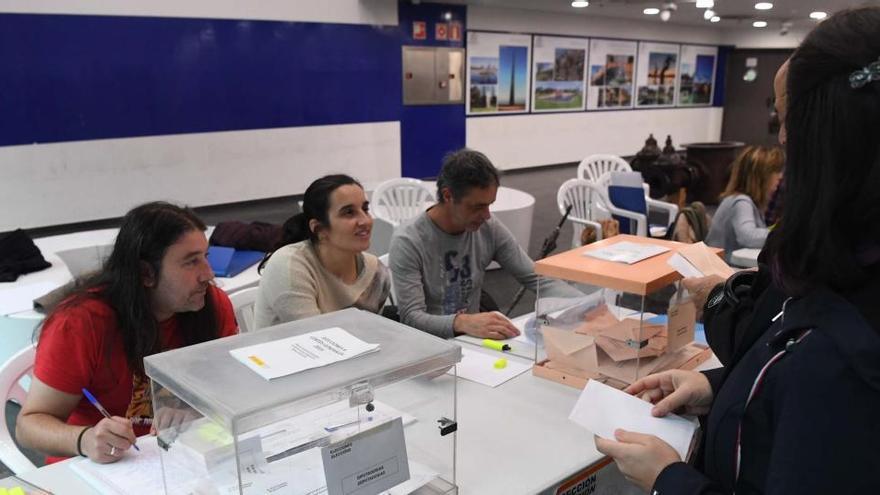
107, 440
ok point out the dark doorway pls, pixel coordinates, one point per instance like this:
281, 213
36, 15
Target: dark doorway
748, 108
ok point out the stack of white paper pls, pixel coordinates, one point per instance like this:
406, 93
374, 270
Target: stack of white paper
302, 352
603, 409
626, 252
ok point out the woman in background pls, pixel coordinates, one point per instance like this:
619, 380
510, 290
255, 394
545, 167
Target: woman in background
739, 221
324, 266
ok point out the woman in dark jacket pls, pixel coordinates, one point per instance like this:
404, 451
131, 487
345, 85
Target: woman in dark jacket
798, 411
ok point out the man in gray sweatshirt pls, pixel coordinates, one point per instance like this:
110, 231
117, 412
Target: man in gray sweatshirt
438, 259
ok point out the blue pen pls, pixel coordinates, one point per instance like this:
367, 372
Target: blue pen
101, 409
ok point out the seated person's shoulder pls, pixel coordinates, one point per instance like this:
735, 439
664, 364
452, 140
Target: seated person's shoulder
89, 312
292, 256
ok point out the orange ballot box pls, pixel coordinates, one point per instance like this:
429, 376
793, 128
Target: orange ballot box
634, 318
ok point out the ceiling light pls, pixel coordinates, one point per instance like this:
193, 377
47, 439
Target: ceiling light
665, 15
715, 19
651, 11
763, 6
818, 15
579, 4
759, 24
708, 14
705, 4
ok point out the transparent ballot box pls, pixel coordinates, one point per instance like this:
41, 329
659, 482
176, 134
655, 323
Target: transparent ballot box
633, 320
380, 422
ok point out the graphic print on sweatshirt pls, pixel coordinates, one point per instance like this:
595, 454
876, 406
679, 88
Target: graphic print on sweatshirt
457, 282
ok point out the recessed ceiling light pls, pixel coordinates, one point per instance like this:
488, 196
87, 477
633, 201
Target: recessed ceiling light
651, 11
579, 4
818, 15
760, 24
715, 19
708, 14
705, 4
763, 5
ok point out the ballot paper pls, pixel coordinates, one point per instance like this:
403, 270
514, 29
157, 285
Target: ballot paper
698, 260
626, 252
603, 409
136, 473
302, 352
478, 366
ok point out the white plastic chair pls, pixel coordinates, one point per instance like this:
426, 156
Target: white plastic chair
594, 167
642, 228
13, 370
589, 204
398, 200
243, 305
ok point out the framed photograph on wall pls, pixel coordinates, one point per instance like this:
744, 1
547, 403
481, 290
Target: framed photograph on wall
656, 74
611, 74
498, 73
558, 74
696, 81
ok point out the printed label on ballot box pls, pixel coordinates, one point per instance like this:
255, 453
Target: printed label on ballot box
367, 463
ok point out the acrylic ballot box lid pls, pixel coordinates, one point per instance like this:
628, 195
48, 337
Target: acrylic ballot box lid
216, 384
643, 277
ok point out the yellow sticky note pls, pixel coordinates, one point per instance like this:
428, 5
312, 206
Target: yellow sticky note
259, 362
16, 490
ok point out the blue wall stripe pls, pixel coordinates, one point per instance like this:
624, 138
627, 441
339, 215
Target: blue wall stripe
428, 132
67, 78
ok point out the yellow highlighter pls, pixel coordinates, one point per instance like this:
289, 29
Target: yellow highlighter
494, 344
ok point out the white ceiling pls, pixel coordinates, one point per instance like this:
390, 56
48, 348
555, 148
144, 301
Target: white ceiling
734, 13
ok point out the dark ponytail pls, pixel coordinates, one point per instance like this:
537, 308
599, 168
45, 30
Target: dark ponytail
316, 204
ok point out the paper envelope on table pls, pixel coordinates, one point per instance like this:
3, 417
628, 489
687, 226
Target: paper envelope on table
569, 349
631, 339
597, 320
704, 260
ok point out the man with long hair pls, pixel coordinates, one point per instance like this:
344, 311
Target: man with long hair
153, 294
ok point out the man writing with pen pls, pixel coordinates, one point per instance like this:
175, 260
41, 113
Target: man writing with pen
89, 395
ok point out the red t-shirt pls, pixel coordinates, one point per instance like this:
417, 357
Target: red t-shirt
80, 347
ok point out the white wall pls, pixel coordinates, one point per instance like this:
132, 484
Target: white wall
520, 141
382, 12
749, 37
86, 180
530, 21
544, 139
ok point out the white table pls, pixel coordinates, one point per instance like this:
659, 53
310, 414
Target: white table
58, 274
745, 257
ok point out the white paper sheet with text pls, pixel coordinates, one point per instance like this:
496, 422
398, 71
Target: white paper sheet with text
603, 409
302, 352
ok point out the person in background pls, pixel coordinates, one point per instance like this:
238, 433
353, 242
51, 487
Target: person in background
324, 266
154, 293
439, 258
739, 222
796, 411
